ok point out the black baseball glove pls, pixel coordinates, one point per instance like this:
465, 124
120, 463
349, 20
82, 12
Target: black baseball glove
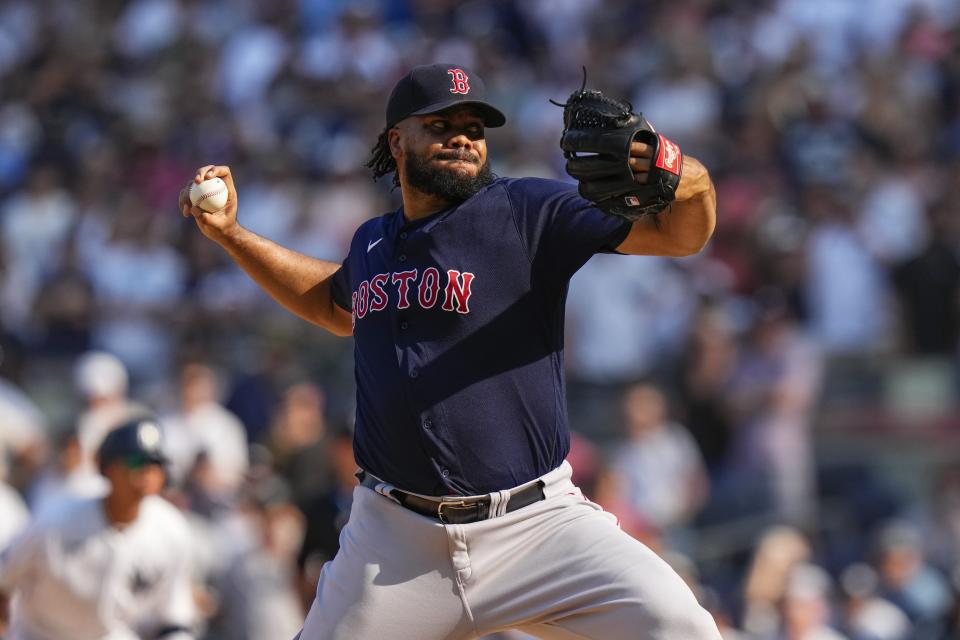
597, 132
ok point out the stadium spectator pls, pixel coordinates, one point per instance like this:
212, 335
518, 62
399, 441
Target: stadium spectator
806, 605
908, 580
866, 616
326, 513
103, 382
66, 477
778, 550
257, 593
774, 394
203, 433
664, 478
14, 515
299, 439
23, 433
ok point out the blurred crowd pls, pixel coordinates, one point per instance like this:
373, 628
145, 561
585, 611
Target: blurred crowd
753, 413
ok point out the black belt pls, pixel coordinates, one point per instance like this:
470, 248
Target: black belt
453, 510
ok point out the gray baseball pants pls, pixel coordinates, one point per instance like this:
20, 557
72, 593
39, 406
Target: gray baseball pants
558, 569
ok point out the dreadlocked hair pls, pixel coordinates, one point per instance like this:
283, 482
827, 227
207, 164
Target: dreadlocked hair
381, 161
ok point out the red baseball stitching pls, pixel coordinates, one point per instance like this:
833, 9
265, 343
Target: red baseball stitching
204, 196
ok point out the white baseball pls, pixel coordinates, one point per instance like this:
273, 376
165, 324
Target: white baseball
210, 195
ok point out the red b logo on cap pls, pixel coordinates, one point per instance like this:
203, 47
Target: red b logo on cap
459, 80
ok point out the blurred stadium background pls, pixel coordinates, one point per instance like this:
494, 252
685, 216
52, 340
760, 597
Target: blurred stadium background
778, 416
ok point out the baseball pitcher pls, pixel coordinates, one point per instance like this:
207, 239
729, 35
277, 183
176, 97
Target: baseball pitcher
466, 521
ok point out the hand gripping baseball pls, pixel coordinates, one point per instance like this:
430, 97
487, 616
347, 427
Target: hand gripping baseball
214, 224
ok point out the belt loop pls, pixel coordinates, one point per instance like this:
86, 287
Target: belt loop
386, 489
373, 482
498, 503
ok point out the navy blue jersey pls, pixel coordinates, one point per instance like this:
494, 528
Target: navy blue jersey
458, 330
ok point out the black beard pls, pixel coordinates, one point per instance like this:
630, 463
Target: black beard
449, 186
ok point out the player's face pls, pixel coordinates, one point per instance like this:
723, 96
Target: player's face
150, 479
453, 140
444, 154
136, 478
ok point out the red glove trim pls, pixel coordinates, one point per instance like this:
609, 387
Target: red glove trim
669, 157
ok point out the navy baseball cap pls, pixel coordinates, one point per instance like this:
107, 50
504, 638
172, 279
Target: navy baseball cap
137, 442
434, 87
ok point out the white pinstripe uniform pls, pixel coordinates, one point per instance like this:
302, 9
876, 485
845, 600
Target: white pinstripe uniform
74, 576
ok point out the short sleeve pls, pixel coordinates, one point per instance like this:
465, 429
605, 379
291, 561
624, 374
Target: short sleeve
560, 229
341, 289
17, 559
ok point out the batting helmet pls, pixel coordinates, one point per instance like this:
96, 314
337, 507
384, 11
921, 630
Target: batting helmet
137, 442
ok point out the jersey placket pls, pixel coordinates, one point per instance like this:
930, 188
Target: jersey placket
410, 358
401, 317
113, 592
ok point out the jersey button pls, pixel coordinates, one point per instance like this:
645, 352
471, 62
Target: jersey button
404, 325
402, 258
414, 373
403, 235
428, 424
445, 473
